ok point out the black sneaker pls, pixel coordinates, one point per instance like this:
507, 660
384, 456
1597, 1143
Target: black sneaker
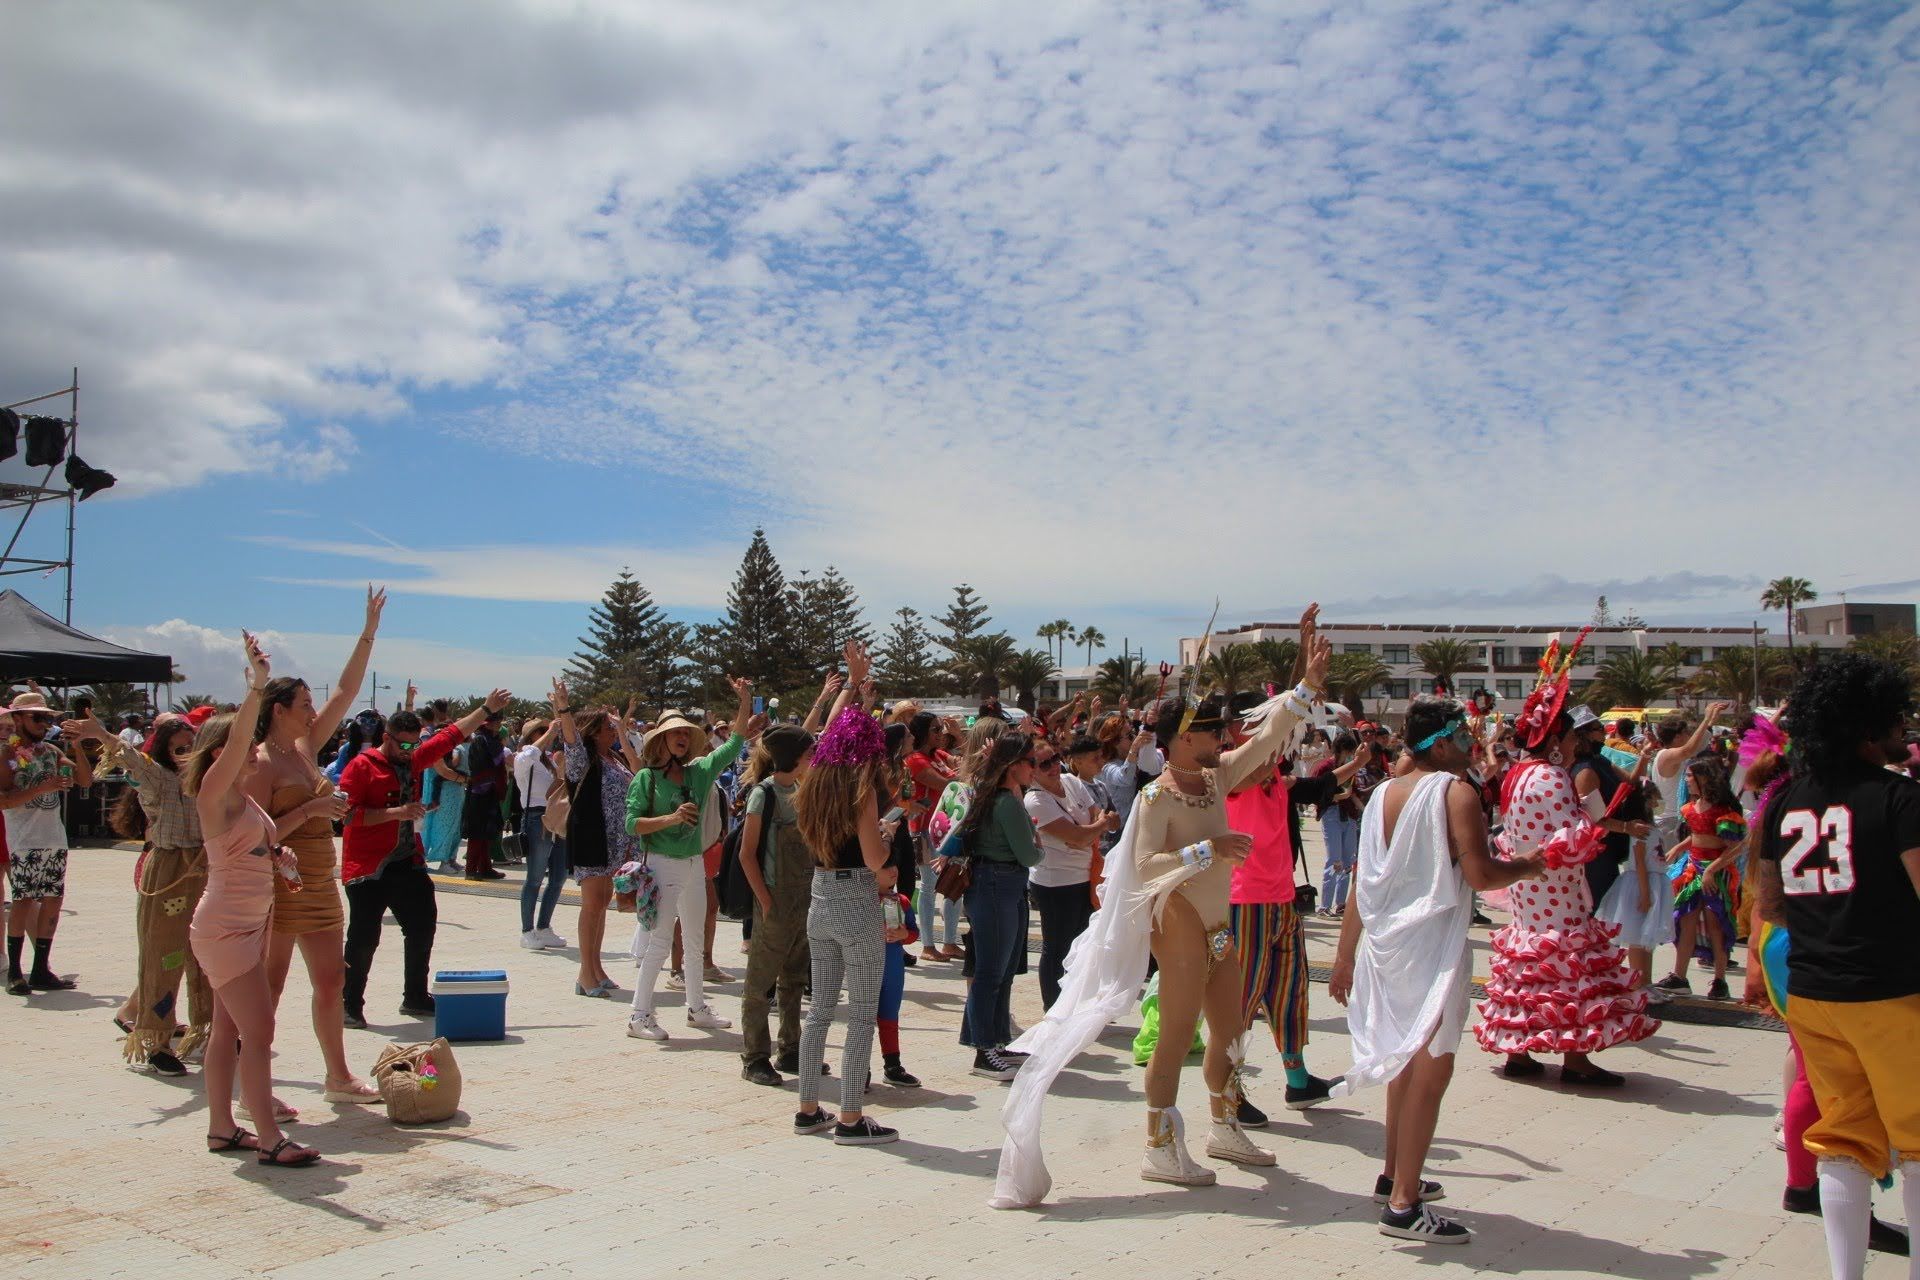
1422, 1224
1674, 982
417, 1006
1480, 917
760, 1071
1311, 1094
1251, 1117
164, 1063
1429, 1190
1012, 1055
990, 1065
1717, 990
819, 1121
909, 959
355, 1018
899, 1077
790, 1063
1884, 1237
863, 1133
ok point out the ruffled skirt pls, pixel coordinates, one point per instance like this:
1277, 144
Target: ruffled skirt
1561, 991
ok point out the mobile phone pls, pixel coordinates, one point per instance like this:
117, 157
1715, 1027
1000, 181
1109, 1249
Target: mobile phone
759, 705
894, 814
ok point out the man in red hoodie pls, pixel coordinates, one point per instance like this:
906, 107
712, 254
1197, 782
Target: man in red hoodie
382, 863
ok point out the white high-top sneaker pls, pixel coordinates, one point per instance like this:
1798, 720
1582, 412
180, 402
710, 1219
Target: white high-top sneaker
1167, 1159
1226, 1141
704, 1016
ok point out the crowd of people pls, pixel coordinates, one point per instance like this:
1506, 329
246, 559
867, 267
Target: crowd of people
1158, 843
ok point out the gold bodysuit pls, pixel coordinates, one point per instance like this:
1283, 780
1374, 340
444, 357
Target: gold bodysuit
1173, 821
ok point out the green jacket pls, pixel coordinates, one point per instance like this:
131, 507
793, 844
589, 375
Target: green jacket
653, 796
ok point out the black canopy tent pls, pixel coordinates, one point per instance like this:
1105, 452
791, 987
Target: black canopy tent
35, 643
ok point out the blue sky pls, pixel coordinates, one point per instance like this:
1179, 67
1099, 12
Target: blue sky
1430, 311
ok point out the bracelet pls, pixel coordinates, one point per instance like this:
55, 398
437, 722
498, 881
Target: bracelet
1198, 855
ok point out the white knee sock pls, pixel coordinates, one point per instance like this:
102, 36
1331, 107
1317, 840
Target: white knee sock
1910, 1197
1846, 1206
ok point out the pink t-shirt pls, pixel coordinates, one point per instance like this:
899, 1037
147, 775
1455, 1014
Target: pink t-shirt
1266, 814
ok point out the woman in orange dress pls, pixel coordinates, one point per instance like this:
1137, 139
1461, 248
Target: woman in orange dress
288, 784
231, 926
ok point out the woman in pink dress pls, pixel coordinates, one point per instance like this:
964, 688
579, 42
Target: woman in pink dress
231, 925
1558, 984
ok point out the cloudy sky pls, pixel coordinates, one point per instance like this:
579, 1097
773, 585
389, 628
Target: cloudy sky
1430, 311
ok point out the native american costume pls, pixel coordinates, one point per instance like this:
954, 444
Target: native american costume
1559, 983
1166, 847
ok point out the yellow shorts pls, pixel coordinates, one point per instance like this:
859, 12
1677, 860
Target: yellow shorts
1861, 1061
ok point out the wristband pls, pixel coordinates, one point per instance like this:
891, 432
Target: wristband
1198, 855
1299, 700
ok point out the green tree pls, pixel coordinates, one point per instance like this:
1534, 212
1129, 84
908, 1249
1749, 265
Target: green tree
115, 698
979, 665
1230, 669
1445, 658
1602, 615
1277, 661
1788, 594
756, 637
905, 663
1633, 680
965, 619
826, 614
1026, 671
1351, 676
1901, 648
1093, 638
193, 702
1124, 677
1057, 630
1728, 675
632, 651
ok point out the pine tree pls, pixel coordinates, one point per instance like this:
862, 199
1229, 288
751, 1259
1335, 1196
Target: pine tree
631, 652
826, 614
963, 622
1602, 615
905, 663
756, 638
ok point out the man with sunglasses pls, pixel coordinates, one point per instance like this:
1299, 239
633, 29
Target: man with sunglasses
33, 773
382, 863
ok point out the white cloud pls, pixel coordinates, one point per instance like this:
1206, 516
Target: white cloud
1403, 291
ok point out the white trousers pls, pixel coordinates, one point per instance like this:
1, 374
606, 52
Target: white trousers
683, 897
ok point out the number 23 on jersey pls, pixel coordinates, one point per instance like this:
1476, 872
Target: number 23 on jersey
1803, 869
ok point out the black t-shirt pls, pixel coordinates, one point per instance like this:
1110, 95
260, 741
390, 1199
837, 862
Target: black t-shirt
1619, 845
1852, 914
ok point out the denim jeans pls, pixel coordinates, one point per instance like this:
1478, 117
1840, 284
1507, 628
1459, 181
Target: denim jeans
996, 902
546, 860
1343, 849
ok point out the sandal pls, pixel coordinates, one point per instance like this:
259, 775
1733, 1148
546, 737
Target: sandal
238, 1140
306, 1157
126, 1028
358, 1091
282, 1113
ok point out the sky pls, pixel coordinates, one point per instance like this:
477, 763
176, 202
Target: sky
1429, 311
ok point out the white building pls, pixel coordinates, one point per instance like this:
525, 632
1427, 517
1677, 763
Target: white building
1508, 654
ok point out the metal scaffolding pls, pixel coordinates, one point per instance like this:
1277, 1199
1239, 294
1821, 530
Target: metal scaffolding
26, 498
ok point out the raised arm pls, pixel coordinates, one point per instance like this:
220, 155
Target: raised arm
859, 667
1696, 740
1243, 761
563, 713
329, 716
225, 771
628, 751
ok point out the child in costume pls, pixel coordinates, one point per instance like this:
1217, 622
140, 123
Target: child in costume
903, 929
1705, 877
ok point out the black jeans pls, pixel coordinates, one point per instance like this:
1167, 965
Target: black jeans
1064, 912
405, 890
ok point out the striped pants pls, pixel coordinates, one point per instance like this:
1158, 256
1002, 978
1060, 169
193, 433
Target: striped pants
1273, 955
848, 937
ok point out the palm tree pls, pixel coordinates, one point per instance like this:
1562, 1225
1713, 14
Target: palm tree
1093, 638
981, 663
1785, 593
1351, 675
1277, 658
1445, 658
192, 702
1632, 680
1026, 671
1230, 669
1901, 648
115, 698
1728, 675
1124, 677
1052, 631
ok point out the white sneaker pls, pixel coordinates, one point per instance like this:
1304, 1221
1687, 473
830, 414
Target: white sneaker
705, 1017
550, 939
644, 1026
1167, 1159
1227, 1142
530, 940
676, 982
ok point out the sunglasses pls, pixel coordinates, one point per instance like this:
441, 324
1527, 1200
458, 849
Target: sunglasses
1051, 762
36, 716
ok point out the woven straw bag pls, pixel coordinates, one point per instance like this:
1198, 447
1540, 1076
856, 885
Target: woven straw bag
420, 1083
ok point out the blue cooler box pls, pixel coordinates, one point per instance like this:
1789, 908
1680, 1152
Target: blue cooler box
470, 1004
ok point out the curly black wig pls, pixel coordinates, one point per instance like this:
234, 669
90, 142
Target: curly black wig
1837, 704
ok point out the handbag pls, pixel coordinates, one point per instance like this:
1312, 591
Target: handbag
420, 1083
1305, 896
956, 867
559, 805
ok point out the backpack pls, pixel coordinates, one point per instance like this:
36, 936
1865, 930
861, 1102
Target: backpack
730, 881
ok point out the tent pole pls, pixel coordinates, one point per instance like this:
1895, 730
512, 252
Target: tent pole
73, 447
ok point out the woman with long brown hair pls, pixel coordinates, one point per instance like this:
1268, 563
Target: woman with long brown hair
998, 835
838, 808
303, 804
600, 767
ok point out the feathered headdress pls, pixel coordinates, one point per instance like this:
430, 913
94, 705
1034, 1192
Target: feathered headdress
1188, 690
1549, 696
854, 738
1765, 736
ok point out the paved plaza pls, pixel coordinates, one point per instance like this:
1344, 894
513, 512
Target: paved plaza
581, 1152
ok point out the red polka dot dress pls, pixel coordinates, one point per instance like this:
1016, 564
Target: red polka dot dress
1559, 984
